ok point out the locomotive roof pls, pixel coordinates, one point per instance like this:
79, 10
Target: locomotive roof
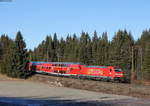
39, 62
97, 66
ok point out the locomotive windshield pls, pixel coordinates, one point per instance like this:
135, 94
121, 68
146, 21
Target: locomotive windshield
118, 70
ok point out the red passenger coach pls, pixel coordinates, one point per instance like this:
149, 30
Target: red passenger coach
77, 70
58, 68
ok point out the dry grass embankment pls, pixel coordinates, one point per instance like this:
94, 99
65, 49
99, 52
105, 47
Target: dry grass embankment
5, 78
135, 90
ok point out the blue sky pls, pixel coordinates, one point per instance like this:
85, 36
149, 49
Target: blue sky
38, 18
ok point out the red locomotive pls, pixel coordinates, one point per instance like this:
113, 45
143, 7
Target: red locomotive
78, 70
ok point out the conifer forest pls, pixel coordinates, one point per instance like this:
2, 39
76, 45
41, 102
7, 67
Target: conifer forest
133, 56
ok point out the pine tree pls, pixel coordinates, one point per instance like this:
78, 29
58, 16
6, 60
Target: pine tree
83, 54
102, 50
66, 49
55, 44
49, 50
145, 37
121, 51
146, 63
18, 58
1, 55
61, 49
89, 53
5, 43
141, 45
94, 48
68, 52
75, 48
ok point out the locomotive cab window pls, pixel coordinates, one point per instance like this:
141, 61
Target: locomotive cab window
118, 70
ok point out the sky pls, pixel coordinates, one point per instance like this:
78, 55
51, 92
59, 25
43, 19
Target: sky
38, 18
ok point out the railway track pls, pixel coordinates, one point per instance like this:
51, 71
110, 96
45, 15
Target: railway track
44, 75
49, 77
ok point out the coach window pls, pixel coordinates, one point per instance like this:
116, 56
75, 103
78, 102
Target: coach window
80, 67
110, 70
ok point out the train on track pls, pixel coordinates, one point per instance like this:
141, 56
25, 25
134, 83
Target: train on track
78, 70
